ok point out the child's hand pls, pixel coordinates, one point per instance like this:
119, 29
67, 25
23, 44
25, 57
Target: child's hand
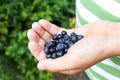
83, 54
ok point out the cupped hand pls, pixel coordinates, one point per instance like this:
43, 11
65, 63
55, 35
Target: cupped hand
83, 54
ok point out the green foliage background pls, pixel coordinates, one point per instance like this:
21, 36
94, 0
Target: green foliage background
16, 17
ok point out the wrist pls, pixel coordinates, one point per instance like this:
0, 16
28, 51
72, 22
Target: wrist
113, 39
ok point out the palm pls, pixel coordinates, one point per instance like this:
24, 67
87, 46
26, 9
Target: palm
41, 33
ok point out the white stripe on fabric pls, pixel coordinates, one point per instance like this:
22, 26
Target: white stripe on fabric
110, 63
112, 6
93, 77
103, 73
86, 15
77, 21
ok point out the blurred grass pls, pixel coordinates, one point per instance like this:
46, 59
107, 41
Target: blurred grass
16, 17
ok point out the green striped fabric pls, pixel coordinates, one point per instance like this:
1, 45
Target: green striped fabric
88, 11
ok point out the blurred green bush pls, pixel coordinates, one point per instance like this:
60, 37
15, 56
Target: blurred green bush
16, 17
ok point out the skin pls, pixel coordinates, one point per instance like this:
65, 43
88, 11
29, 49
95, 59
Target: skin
101, 41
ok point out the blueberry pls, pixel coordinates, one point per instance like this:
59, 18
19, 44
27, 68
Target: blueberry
56, 42
61, 46
60, 53
69, 43
52, 49
74, 38
61, 40
65, 51
72, 34
66, 46
46, 50
63, 32
54, 37
48, 56
54, 55
80, 37
66, 37
59, 36
50, 44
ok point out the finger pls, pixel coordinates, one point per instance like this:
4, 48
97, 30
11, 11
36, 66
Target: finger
42, 43
53, 29
54, 65
42, 56
41, 31
36, 50
49, 27
32, 35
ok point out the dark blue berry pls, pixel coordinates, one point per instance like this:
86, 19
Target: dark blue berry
54, 37
61, 40
63, 32
66, 46
59, 36
52, 49
74, 38
65, 51
57, 41
48, 56
80, 37
61, 46
60, 53
54, 55
46, 50
50, 44
69, 43
72, 34
66, 37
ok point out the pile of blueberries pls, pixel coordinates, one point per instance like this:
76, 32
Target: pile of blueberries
60, 44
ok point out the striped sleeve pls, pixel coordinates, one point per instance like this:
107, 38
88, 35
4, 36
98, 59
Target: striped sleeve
88, 11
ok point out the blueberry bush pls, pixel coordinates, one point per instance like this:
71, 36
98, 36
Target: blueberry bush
16, 17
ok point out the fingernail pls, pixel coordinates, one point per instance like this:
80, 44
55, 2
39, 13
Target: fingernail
34, 27
41, 67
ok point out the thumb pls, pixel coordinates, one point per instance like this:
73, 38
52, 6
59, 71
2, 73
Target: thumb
54, 65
